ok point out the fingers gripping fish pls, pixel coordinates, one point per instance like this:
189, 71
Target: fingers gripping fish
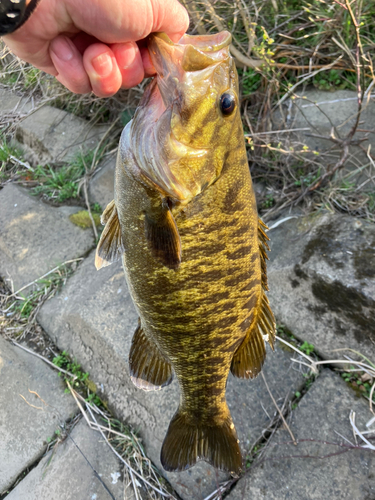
185, 223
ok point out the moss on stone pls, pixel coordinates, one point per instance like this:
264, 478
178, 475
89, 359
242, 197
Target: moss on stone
82, 219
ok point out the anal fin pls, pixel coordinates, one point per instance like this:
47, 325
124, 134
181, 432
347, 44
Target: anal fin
110, 247
149, 369
248, 360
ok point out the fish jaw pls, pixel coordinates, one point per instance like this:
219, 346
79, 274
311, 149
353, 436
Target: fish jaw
175, 128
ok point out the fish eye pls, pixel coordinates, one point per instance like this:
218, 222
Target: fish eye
227, 103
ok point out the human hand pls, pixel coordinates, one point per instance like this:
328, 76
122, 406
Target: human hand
90, 45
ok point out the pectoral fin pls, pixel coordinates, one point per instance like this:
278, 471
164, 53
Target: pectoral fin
110, 247
149, 369
163, 238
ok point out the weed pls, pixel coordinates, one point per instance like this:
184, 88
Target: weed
334, 80
251, 80
19, 312
11, 160
59, 184
307, 348
62, 183
359, 381
96, 208
80, 380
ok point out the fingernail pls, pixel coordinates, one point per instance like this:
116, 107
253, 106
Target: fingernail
63, 48
102, 64
128, 56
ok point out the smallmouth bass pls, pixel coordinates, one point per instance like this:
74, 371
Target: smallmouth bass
185, 223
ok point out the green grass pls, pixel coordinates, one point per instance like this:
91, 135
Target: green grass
59, 184
9, 154
24, 306
62, 183
80, 380
307, 348
354, 379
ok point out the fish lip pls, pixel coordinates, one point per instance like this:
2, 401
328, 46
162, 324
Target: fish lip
174, 61
204, 43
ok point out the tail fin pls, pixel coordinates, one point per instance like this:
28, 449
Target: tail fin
186, 443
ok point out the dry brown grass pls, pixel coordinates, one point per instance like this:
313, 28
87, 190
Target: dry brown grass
281, 49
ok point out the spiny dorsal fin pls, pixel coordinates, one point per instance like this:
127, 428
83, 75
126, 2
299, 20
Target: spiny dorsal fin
263, 247
110, 247
163, 238
188, 441
149, 369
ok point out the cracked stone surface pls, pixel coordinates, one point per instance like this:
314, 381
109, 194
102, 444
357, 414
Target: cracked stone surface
36, 237
93, 318
66, 475
322, 281
322, 416
12, 103
318, 111
50, 134
26, 420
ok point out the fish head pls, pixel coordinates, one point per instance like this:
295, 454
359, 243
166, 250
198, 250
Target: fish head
183, 127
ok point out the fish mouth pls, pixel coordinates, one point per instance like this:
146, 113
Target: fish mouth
174, 163
186, 60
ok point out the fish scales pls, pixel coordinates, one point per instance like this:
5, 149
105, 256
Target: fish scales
185, 222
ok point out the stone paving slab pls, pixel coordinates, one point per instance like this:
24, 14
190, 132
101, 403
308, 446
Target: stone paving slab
12, 103
67, 476
101, 186
51, 134
319, 111
322, 281
93, 318
36, 237
322, 414
26, 422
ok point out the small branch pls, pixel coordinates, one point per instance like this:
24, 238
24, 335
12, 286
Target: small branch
307, 77
44, 275
85, 181
44, 359
279, 411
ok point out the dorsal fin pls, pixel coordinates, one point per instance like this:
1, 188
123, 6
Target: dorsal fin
110, 247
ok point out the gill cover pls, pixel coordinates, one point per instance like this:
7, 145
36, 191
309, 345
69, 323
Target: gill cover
174, 132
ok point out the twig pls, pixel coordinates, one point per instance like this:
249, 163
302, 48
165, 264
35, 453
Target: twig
96, 426
295, 349
167, 495
44, 275
358, 433
246, 61
93, 469
44, 359
279, 411
101, 142
307, 77
286, 131
36, 407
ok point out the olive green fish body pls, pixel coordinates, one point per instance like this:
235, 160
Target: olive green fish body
194, 258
